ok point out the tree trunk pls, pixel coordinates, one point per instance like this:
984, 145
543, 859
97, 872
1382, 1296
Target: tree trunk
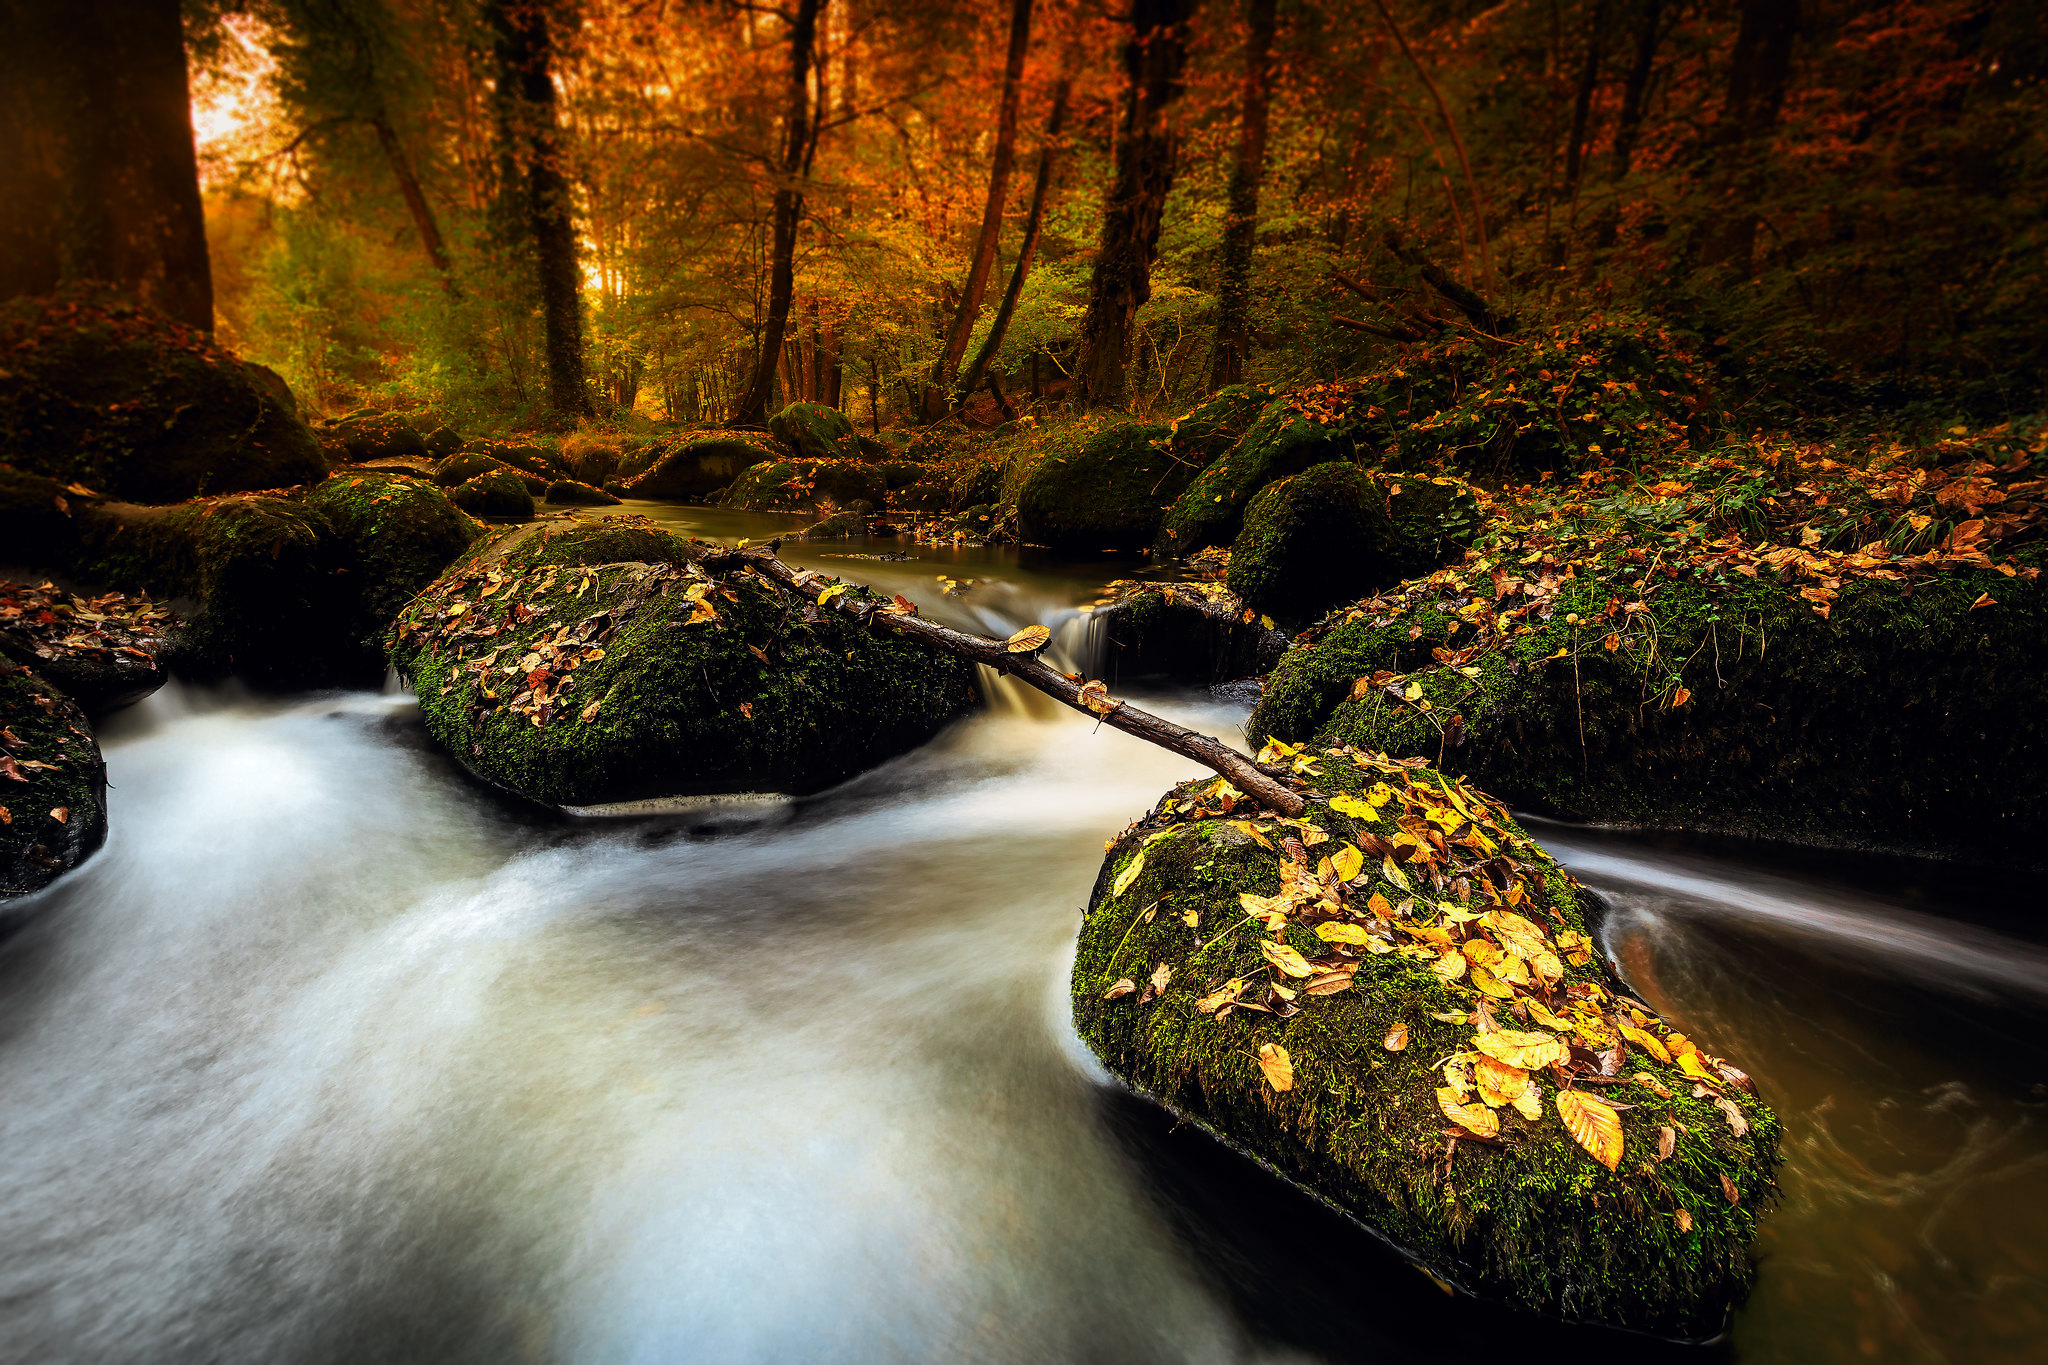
1582, 100
788, 212
525, 50
1240, 229
1147, 147
1034, 222
1757, 74
98, 180
1628, 121
415, 201
983, 261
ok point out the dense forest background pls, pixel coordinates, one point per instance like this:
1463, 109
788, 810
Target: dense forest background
534, 211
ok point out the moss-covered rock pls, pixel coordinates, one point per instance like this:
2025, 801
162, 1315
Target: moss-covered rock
815, 432
103, 652
1342, 1030
805, 485
539, 462
697, 466
1219, 422
441, 442
133, 405
381, 436
53, 783
1286, 439
1904, 718
499, 493
396, 535
572, 679
1109, 495
569, 493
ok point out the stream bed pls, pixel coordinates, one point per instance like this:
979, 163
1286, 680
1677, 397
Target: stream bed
333, 1055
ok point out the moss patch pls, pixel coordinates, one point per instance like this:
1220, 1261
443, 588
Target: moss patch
1530, 1217
573, 679
500, 493
397, 534
815, 432
53, 783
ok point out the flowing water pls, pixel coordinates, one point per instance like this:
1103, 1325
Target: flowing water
332, 1055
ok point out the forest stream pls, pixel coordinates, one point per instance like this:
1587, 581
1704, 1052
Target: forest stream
333, 1054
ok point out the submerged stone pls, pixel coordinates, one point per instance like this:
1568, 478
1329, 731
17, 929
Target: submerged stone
53, 782
600, 662
1395, 1004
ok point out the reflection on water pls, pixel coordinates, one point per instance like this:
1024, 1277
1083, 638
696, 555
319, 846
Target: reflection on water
330, 1055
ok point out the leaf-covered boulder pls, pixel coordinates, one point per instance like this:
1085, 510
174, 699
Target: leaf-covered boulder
1108, 495
502, 494
569, 493
805, 485
1395, 1003
396, 534
1287, 438
53, 782
696, 467
380, 436
602, 662
130, 404
103, 651
816, 432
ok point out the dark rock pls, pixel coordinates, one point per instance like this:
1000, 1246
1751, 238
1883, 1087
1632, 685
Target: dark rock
815, 432
380, 436
797, 485
53, 782
500, 493
1284, 440
396, 534
104, 652
1107, 496
569, 493
1183, 632
697, 466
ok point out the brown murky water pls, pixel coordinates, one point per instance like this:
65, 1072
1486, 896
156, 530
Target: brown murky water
332, 1056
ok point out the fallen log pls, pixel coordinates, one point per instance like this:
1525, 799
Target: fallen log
1089, 698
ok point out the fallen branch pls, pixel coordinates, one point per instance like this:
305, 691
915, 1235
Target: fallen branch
1471, 303
1360, 325
1088, 698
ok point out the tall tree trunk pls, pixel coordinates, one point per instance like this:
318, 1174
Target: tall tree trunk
415, 201
1582, 100
788, 211
1628, 121
1240, 229
1146, 151
525, 50
1034, 222
1757, 74
98, 179
983, 261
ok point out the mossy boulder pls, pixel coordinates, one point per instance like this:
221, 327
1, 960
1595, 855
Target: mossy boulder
1108, 495
135, 406
697, 466
573, 679
569, 493
103, 652
396, 534
803, 485
498, 493
1219, 422
536, 461
53, 783
815, 432
1908, 717
381, 436
1345, 1028
1286, 439
441, 442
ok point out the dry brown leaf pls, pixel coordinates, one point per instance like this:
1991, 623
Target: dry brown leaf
1397, 1038
1734, 1115
1593, 1124
1667, 1143
1328, 983
1728, 1189
1122, 988
1028, 640
1160, 976
1684, 1220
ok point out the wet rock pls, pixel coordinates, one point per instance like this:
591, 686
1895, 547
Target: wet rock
441, 442
1219, 422
816, 432
1107, 496
599, 661
1284, 440
104, 652
1190, 632
569, 493
134, 406
53, 782
697, 466
498, 493
1330, 1036
37, 523
854, 521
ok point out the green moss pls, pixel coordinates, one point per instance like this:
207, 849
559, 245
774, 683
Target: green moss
1109, 495
1218, 422
51, 749
815, 432
1534, 1220
397, 534
1284, 440
1906, 718
569, 493
1311, 541
677, 701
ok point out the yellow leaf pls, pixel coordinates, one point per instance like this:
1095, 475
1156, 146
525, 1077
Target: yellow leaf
1491, 984
1529, 1051
1353, 807
1191, 918
1498, 1082
1680, 698
1379, 907
1451, 965
1529, 1104
1128, 875
1394, 874
1547, 1017
1348, 862
1278, 1066
1353, 934
1121, 988
1027, 640
1689, 1062
830, 593
1397, 1038
1285, 958
1221, 996
1474, 1118
1593, 1124
1647, 1041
